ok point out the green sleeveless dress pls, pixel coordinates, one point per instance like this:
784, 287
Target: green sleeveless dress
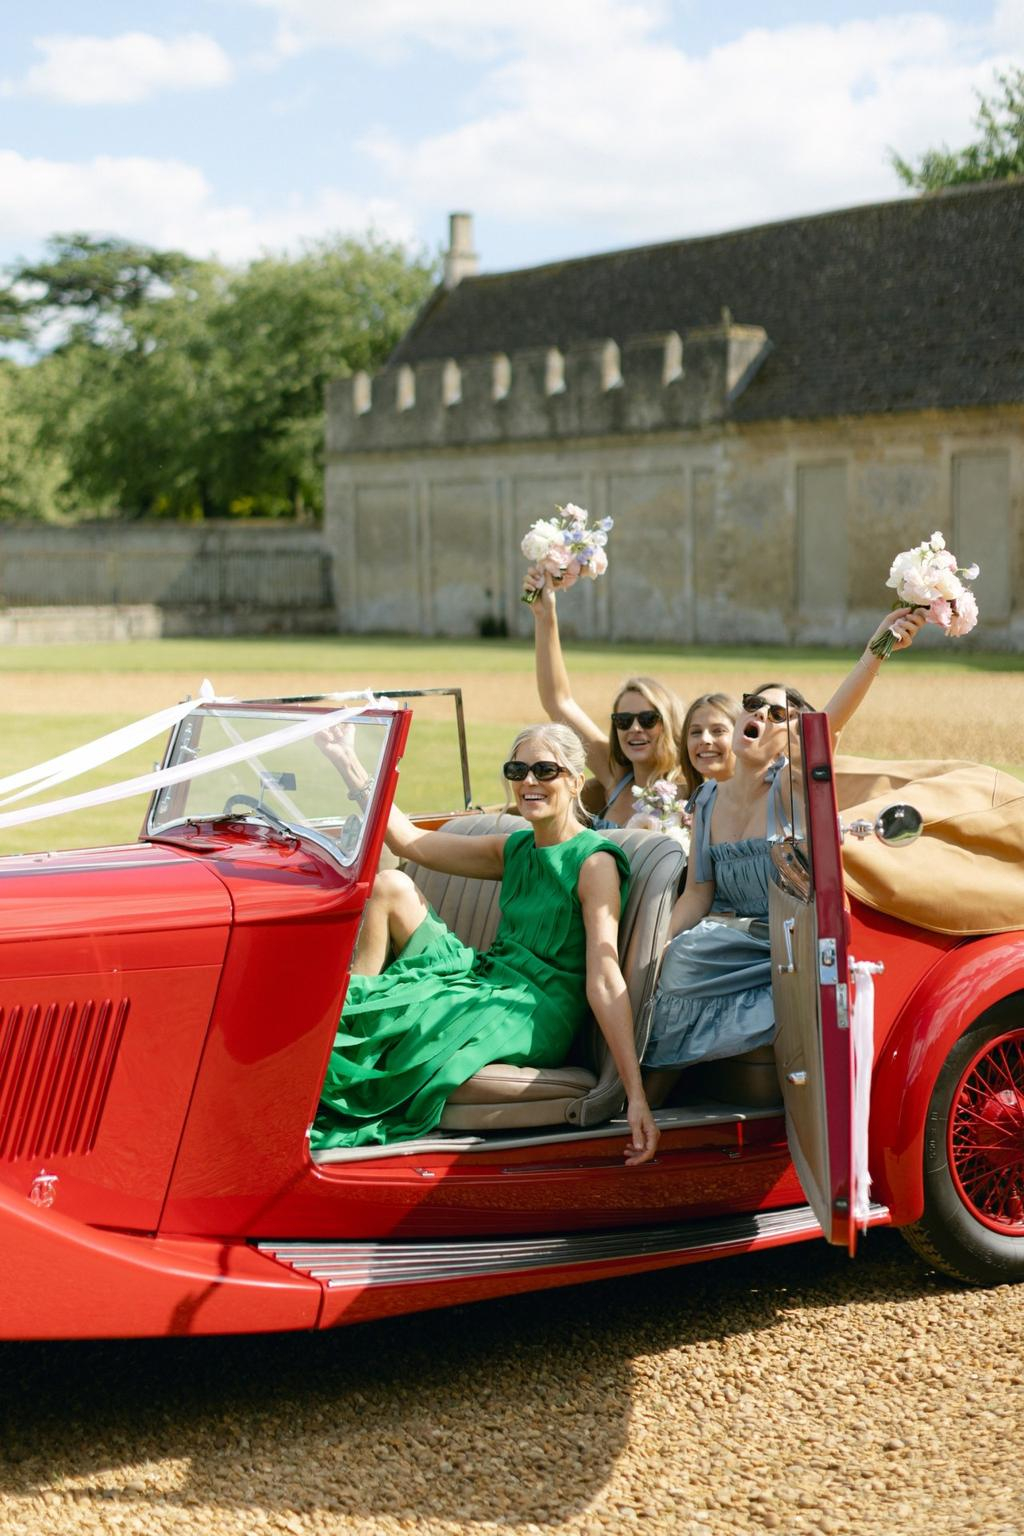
441, 1011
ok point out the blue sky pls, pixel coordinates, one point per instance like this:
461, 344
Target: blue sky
564, 126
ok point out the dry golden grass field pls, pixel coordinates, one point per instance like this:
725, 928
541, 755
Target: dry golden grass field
935, 702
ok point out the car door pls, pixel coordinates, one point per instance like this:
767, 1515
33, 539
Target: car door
810, 984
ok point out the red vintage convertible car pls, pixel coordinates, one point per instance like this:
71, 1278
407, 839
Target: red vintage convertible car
167, 1010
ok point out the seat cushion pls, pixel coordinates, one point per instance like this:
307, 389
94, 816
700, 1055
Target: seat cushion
501, 1097
500, 1083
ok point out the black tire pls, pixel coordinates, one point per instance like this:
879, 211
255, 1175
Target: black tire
972, 1227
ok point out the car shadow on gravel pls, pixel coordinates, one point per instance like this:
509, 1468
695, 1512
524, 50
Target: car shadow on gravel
512, 1411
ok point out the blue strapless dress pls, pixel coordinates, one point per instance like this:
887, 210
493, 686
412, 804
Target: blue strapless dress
714, 996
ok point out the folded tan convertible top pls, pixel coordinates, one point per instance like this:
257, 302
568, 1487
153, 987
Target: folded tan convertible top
965, 873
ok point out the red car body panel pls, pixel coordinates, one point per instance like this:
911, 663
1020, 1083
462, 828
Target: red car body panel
102, 1021
969, 980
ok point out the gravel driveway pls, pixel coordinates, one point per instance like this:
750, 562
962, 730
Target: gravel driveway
791, 1391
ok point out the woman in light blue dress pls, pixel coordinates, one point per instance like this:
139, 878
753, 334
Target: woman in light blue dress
714, 995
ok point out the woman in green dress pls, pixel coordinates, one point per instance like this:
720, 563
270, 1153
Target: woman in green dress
413, 1030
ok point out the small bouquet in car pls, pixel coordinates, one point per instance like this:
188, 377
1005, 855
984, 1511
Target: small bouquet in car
659, 807
566, 547
928, 576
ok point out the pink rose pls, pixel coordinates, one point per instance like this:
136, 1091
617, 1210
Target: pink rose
966, 615
597, 564
940, 612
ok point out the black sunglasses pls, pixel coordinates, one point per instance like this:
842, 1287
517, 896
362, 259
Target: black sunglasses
752, 702
515, 771
622, 719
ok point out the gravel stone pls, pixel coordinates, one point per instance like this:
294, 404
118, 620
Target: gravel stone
788, 1391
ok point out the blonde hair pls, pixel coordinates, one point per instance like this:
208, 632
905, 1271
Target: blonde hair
565, 747
669, 755
726, 705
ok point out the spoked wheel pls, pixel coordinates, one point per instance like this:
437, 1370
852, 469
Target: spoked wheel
973, 1221
986, 1135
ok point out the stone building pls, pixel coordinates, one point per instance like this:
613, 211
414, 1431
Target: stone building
768, 415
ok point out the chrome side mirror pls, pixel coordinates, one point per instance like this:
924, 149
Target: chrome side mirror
896, 826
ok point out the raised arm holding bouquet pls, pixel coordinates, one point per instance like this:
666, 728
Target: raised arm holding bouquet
641, 744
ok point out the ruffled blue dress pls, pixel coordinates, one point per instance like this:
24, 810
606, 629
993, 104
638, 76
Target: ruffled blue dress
714, 996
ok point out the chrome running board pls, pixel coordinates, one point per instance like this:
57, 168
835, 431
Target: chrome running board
360, 1264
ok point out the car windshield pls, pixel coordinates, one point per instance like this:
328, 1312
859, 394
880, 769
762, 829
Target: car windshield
292, 781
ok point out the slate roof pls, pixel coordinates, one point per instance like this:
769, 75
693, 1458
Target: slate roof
897, 306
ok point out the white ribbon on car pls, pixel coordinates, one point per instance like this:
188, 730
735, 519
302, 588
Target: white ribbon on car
862, 1029
105, 749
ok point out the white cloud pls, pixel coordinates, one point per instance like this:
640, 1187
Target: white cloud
468, 28
169, 204
639, 136
93, 71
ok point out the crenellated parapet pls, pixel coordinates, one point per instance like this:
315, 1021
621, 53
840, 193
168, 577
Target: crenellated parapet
592, 388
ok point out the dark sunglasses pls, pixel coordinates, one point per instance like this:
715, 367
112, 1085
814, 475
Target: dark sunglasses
752, 702
516, 771
622, 719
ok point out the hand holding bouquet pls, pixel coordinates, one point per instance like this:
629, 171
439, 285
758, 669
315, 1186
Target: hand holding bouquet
928, 576
658, 807
565, 548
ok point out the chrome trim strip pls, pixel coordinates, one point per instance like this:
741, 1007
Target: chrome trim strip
44, 867
364, 1265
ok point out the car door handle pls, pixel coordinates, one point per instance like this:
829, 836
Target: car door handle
787, 935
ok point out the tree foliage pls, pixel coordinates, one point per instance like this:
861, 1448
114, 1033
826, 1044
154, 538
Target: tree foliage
997, 155
167, 386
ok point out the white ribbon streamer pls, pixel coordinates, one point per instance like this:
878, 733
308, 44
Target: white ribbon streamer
95, 753
862, 1028
180, 773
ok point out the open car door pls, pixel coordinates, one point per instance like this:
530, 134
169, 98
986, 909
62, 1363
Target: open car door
810, 983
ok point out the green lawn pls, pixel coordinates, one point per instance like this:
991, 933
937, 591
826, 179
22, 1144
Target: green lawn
391, 658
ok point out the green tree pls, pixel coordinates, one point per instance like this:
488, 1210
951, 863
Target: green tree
178, 388
96, 286
998, 154
32, 477
290, 325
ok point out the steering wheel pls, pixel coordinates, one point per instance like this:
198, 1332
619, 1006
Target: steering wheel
233, 802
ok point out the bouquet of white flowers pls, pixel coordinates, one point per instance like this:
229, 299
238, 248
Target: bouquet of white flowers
659, 807
928, 576
566, 547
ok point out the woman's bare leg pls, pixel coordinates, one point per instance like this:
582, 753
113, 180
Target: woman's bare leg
393, 913
658, 1084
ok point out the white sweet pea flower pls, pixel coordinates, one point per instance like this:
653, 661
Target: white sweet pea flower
539, 539
574, 513
937, 541
947, 584
971, 572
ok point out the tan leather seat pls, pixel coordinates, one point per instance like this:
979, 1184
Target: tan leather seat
588, 1091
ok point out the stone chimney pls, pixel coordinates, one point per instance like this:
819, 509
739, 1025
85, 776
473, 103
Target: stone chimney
460, 259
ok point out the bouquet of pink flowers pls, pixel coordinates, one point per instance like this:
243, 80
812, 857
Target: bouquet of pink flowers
566, 548
659, 807
928, 576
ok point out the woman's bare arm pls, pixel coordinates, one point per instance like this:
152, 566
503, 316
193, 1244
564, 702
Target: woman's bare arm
553, 682
854, 688
692, 906
600, 899
482, 857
